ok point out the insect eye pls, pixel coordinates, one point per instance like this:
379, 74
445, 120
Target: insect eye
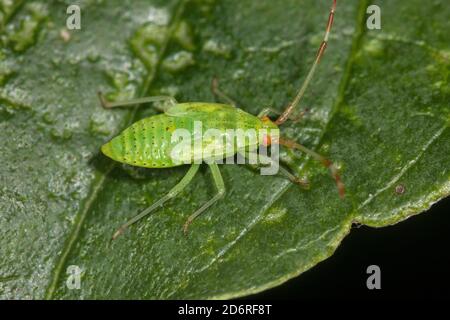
267, 140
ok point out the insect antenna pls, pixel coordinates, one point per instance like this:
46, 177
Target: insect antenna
285, 115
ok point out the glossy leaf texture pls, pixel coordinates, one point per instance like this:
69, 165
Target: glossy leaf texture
379, 107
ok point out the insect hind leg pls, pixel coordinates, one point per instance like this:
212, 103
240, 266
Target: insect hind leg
130, 103
172, 193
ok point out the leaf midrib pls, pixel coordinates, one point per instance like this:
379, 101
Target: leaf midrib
100, 179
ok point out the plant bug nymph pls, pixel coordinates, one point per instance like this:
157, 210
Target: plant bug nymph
153, 133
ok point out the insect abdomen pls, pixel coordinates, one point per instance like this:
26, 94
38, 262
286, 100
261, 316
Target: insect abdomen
144, 144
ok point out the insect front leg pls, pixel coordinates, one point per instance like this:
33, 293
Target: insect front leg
269, 161
324, 161
130, 103
220, 193
172, 193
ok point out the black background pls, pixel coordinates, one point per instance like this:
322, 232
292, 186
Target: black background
413, 255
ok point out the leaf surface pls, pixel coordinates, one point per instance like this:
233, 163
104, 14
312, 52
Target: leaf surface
378, 107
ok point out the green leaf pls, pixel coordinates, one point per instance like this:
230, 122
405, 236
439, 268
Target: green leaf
378, 107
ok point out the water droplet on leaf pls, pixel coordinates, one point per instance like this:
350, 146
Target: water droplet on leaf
146, 43
178, 61
217, 48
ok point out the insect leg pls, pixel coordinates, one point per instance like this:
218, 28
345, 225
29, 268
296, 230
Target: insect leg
220, 193
324, 161
268, 160
217, 92
172, 193
107, 105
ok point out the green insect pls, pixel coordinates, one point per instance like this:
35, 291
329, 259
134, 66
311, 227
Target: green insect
148, 143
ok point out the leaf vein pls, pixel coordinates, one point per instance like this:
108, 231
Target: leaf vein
405, 168
253, 222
